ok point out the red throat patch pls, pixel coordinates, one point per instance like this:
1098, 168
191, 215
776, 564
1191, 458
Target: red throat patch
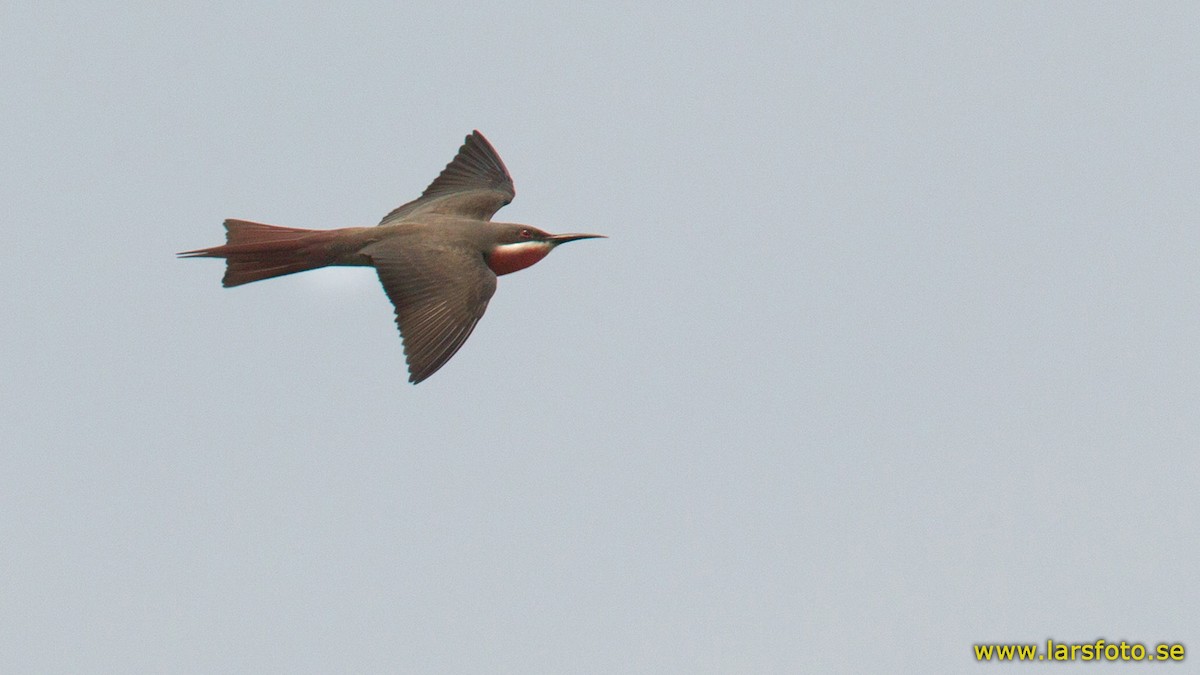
512, 257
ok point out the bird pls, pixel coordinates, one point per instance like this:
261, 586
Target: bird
437, 256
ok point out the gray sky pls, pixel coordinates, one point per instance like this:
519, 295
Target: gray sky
893, 348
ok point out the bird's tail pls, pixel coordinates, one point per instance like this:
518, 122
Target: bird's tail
254, 251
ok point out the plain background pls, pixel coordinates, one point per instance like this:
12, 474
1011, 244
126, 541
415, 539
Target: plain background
893, 348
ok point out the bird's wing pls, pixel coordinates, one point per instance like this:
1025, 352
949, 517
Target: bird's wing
474, 185
439, 293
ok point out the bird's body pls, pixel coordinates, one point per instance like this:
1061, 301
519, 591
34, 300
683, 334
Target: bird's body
437, 256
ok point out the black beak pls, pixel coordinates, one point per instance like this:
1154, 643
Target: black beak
557, 239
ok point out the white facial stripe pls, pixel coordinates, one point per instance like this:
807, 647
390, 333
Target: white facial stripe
522, 247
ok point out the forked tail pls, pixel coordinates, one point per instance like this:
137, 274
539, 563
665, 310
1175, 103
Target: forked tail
255, 251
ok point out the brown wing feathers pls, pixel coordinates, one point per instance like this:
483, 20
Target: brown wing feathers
475, 184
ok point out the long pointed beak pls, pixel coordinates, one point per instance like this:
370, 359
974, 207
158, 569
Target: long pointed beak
557, 239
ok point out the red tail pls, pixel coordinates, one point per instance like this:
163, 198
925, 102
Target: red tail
254, 251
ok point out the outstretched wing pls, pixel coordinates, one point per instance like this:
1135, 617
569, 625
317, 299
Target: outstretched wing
439, 295
474, 185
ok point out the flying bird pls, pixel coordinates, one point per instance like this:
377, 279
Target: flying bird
437, 256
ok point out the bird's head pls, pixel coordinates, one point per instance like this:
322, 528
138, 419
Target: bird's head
519, 246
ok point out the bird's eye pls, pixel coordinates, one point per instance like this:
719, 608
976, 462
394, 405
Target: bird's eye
525, 234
